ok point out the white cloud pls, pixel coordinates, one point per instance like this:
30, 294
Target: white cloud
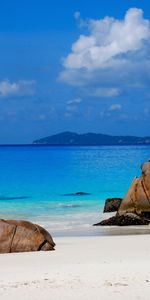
41, 117
74, 101
77, 15
105, 92
146, 111
111, 54
109, 38
115, 107
72, 106
19, 88
112, 110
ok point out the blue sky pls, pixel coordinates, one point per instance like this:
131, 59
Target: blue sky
74, 65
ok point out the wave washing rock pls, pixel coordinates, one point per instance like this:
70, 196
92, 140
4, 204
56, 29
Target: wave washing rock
112, 204
127, 219
23, 236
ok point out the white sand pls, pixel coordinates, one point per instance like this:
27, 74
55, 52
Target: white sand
86, 268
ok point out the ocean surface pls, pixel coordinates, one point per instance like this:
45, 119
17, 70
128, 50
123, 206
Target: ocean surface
35, 181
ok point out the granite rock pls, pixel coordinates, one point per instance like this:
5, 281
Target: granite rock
112, 204
23, 236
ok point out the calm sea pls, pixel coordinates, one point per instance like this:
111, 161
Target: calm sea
34, 182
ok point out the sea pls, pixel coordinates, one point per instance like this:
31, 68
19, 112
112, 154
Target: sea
39, 183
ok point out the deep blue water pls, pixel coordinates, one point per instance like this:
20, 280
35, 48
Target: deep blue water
40, 176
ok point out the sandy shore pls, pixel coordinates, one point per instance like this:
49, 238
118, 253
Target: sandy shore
109, 267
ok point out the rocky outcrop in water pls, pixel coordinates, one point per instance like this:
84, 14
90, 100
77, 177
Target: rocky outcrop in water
112, 204
23, 236
14, 198
124, 220
134, 208
77, 194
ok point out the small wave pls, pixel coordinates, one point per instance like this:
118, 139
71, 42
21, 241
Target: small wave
69, 205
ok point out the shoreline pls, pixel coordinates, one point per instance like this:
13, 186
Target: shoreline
107, 267
102, 231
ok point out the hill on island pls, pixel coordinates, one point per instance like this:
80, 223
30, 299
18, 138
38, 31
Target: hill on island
90, 139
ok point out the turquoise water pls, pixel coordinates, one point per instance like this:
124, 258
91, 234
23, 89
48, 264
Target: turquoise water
40, 176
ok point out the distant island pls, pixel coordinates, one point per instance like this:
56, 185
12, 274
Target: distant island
90, 139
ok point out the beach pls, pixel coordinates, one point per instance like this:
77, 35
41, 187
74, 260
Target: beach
92, 267
89, 262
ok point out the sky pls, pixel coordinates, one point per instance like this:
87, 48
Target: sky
74, 65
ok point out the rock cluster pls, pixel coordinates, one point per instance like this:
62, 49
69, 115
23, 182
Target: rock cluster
134, 208
23, 236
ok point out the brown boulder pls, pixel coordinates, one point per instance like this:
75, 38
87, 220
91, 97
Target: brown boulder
146, 177
137, 199
23, 236
112, 204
